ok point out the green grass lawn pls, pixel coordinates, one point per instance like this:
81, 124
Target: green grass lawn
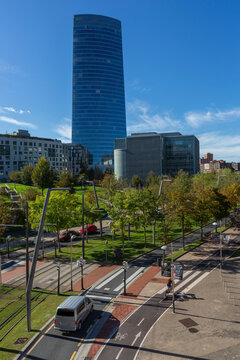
95, 248
40, 315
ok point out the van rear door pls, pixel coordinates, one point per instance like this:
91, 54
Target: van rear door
65, 319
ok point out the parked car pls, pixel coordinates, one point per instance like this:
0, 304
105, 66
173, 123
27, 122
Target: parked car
66, 235
91, 229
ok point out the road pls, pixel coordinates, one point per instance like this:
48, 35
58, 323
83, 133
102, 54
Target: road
125, 343
55, 345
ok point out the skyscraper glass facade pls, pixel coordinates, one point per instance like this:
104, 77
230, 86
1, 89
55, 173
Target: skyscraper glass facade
98, 100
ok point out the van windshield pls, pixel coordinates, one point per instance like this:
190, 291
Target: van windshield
65, 312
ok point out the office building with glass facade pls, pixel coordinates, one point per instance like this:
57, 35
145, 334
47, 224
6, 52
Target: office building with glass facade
164, 154
98, 100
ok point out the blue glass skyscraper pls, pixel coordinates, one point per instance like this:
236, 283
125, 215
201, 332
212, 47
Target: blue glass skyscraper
98, 100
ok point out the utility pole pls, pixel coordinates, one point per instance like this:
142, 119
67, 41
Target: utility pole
58, 286
172, 276
83, 247
27, 247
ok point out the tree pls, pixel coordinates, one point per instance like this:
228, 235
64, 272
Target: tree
219, 204
66, 180
26, 175
15, 176
136, 181
30, 195
181, 200
43, 175
201, 206
111, 185
118, 214
5, 215
151, 179
60, 211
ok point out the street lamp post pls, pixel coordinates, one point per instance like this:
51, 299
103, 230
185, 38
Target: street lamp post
8, 239
71, 283
35, 255
163, 248
216, 225
58, 286
219, 178
172, 276
106, 242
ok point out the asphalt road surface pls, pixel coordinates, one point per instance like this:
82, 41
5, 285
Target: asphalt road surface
125, 343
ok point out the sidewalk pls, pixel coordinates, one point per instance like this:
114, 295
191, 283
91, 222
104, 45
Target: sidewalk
204, 328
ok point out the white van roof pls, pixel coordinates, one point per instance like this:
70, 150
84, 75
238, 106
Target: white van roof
71, 302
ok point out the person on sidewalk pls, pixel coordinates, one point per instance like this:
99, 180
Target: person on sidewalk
169, 285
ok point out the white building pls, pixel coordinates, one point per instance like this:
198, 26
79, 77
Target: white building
19, 149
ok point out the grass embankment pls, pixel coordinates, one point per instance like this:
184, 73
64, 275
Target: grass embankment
40, 315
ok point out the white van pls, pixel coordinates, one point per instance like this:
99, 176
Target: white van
72, 312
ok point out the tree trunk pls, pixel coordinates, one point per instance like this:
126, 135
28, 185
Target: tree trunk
87, 233
123, 243
59, 243
129, 227
201, 231
100, 228
154, 225
183, 233
145, 240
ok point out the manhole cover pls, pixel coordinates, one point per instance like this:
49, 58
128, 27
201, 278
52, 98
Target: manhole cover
21, 340
193, 330
188, 322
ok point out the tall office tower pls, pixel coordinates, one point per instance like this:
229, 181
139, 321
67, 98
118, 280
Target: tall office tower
98, 100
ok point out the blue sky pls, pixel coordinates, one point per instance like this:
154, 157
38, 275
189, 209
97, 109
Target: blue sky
181, 67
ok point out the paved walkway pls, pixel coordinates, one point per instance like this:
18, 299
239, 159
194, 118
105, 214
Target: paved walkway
207, 327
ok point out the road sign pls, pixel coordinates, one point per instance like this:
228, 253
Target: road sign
125, 264
58, 267
226, 238
178, 271
81, 262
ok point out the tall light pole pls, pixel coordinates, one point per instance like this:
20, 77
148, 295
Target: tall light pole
159, 195
172, 276
163, 248
71, 237
35, 255
219, 178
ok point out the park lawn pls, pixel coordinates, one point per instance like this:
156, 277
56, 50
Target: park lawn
96, 248
40, 315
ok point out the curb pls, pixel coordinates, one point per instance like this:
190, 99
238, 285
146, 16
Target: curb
33, 339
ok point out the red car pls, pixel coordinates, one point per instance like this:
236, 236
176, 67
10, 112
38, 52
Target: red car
66, 235
91, 229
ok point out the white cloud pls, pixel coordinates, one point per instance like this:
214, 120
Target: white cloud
65, 130
223, 147
135, 85
197, 118
11, 109
7, 68
146, 120
17, 122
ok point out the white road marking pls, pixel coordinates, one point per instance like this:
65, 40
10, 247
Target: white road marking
118, 355
196, 281
140, 322
136, 337
129, 279
99, 297
108, 279
106, 289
